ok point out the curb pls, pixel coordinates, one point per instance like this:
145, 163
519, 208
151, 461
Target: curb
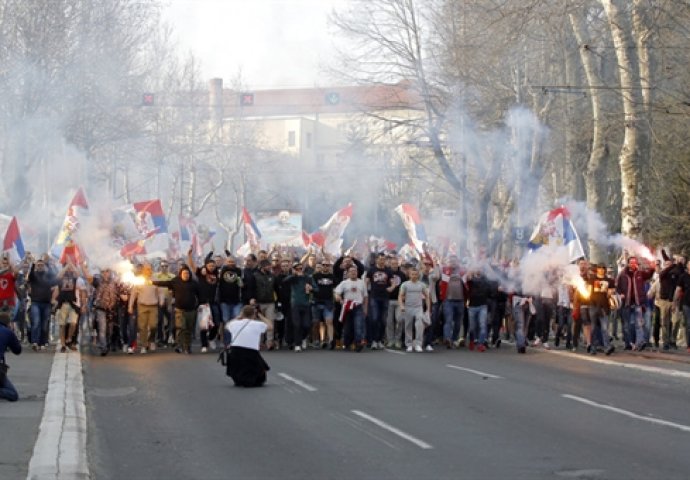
60, 449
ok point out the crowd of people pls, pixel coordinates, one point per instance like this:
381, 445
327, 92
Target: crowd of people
315, 301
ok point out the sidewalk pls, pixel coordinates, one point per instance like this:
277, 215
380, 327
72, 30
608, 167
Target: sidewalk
29, 372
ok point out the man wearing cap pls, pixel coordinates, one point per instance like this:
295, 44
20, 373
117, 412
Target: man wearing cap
8, 340
601, 287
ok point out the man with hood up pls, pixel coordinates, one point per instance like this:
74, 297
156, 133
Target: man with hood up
185, 291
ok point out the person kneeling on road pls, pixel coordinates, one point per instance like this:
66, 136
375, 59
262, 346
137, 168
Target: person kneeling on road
245, 365
7, 340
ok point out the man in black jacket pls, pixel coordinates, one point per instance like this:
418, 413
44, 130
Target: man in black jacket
8, 340
185, 291
41, 283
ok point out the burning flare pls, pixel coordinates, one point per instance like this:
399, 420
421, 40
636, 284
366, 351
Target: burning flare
125, 270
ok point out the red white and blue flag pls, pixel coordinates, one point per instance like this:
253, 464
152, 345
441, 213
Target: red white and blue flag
555, 229
150, 216
252, 235
413, 224
329, 236
12, 239
65, 246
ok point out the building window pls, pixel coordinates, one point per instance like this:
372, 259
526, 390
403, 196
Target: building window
309, 140
291, 138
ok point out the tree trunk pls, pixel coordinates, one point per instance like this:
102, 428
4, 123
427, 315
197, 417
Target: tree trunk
598, 158
635, 149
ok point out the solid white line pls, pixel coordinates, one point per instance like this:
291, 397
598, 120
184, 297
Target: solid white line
634, 366
305, 386
666, 423
60, 449
476, 372
392, 429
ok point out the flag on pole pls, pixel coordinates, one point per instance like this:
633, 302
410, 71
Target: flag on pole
252, 235
329, 236
12, 238
65, 246
413, 224
555, 229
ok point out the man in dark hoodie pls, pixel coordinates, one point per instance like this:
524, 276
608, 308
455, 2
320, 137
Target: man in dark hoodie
207, 276
265, 297
185, 291
41, 283
229, 292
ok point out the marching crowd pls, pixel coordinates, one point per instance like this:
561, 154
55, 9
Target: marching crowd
347, 303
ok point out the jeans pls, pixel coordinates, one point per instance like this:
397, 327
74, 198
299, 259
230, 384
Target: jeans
354, 326
686, 314
544, 315
565, 325
228, 311
184, 322
378, 315
40, 321
163, 315
519, 314
634, 324
453, 312
104, 320
478, 316
8, 392
430, 332
301, 323
394, 323
600, 317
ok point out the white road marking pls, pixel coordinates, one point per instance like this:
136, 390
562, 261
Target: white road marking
627, 413
60, 449
634, 366
302, 384
476, 372
380, 423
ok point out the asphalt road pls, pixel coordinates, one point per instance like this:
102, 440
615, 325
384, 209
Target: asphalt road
384, 415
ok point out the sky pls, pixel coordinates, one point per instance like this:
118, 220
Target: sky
275, 43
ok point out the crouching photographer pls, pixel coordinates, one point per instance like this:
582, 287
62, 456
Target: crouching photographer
8, 340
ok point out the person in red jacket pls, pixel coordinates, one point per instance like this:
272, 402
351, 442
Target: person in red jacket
8, 276
630, 286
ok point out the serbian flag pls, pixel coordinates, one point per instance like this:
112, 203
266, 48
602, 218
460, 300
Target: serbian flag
555, 229
150, 216
12, 240
70, 227
187, 228
329, 236
252, 235
413, 224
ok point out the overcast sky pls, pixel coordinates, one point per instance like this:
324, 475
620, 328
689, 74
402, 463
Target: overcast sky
276, 43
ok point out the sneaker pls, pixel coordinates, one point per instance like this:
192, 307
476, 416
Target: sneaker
153, 347
72, 346
574, 349
429, 348
498, 343
324, 345
143, 351
204, 349
212, 344
298, 349
610, 350
124, 348
409, 349
546, 346
43, 348
667, 348
104, 352
34, 347
461, 342
178, 350
63, 349
304, 344
418, 349
481, 348
522, 350
315, 344
537, 342
398, 345
130, 350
